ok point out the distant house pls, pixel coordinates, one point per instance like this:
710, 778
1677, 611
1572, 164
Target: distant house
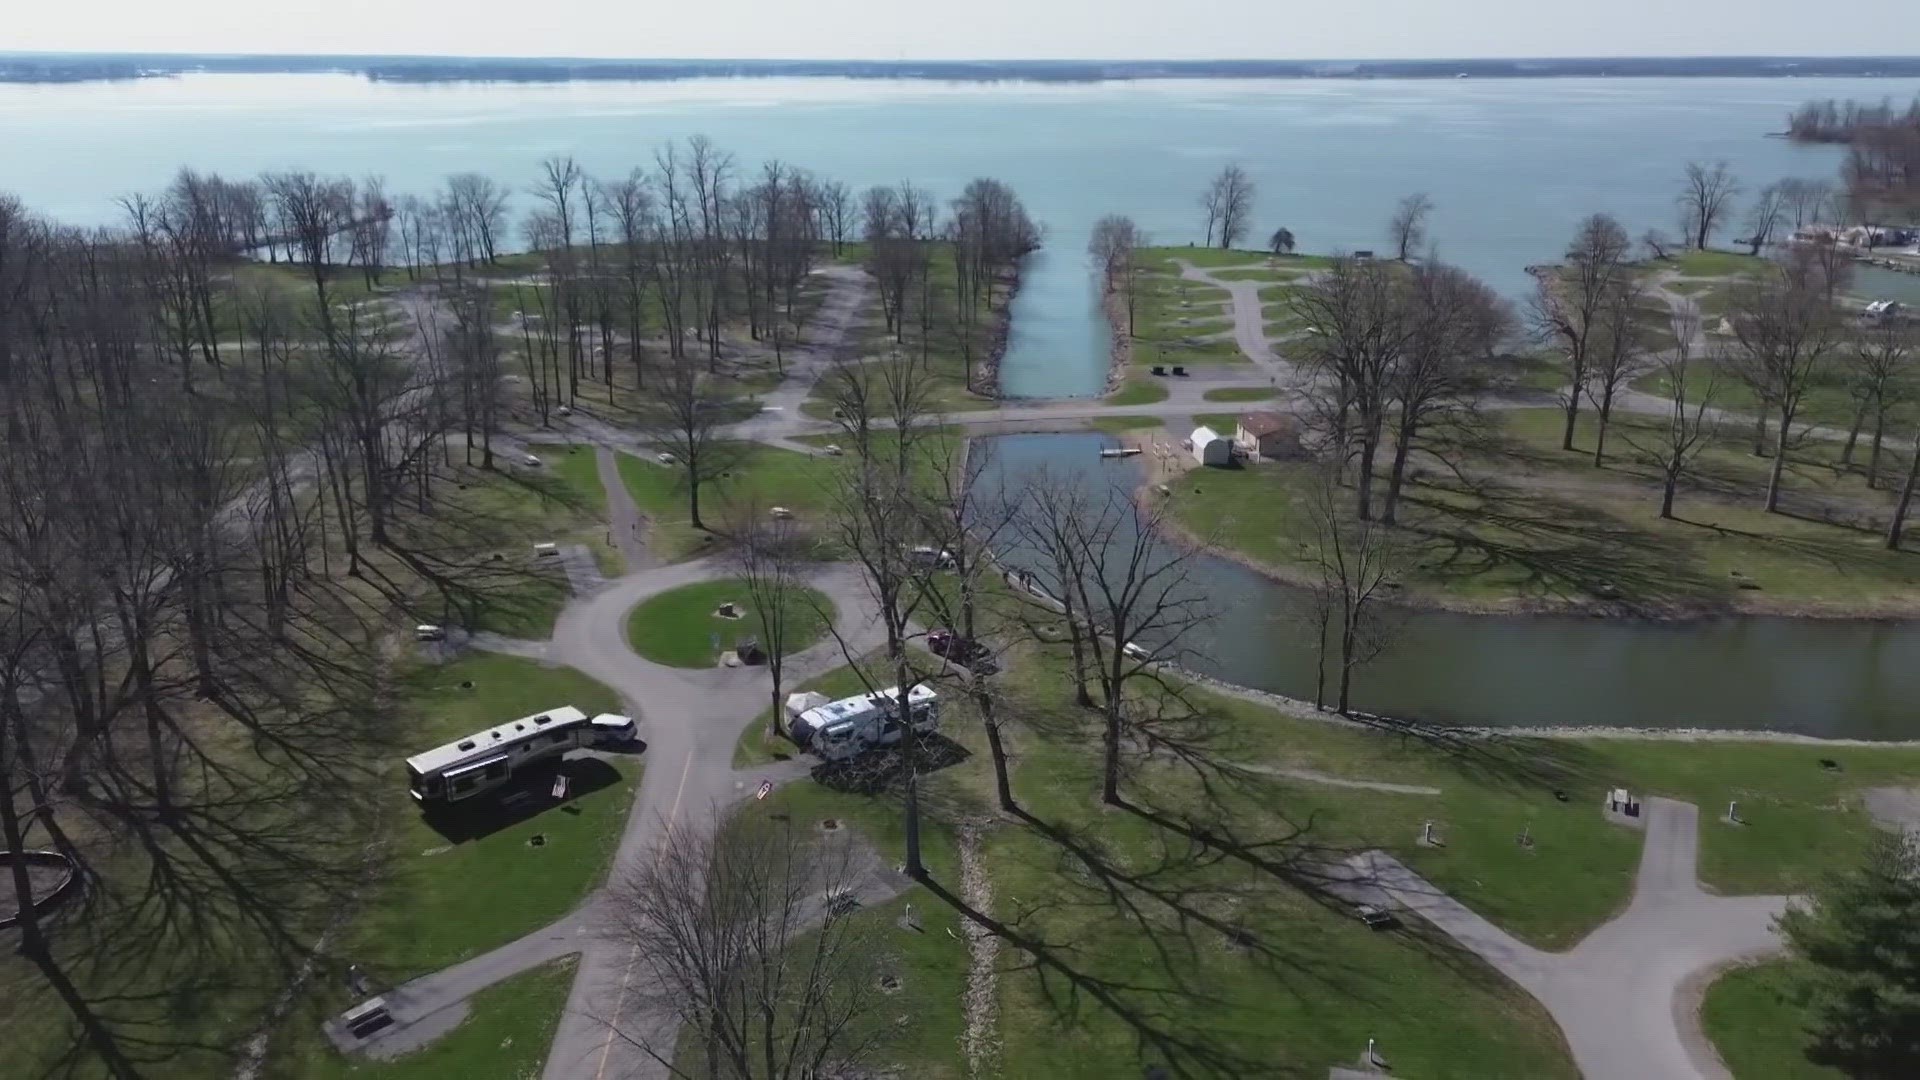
1268, 436
1209, 448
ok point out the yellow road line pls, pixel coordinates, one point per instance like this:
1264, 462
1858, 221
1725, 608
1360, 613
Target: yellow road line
626, 977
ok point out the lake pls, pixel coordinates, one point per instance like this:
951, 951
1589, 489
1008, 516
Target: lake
1512, 165
1836, 679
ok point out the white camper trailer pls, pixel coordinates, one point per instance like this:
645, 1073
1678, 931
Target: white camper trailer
487, 759
842, 729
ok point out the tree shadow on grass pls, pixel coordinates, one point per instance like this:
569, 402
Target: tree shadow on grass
527, 795
1550, 546
884, 770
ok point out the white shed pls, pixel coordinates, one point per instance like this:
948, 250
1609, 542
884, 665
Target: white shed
1209, 448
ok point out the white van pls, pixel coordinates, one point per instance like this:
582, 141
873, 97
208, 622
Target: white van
429, 632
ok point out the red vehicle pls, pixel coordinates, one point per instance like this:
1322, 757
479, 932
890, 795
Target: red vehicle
960, 650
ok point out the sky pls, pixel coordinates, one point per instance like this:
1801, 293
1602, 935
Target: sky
977, 29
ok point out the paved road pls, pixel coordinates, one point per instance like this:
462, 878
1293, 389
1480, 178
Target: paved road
1617, 995
624, 521
692, 720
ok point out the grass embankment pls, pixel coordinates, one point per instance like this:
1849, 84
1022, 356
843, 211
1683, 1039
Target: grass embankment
680, 627
506, 1033
1309, 985
1757, 1028
1536, 526
1139, 389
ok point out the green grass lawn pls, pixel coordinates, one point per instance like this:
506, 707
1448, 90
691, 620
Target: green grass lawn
446, 898
679, 628
444, 893
1181, 322
1139, 389
1119, 425
1551, 529
1713, 263
1756, 1028
506, 1034
764, 476
1242, 393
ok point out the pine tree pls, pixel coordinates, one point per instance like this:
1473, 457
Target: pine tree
1859, 982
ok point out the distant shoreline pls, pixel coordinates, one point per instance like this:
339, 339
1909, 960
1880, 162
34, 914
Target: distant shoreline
105, 67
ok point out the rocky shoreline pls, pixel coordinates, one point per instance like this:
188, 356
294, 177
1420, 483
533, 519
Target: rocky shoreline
1120, 352
987, 374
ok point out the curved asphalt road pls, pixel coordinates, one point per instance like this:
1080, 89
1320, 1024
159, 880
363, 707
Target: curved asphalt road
1617, 996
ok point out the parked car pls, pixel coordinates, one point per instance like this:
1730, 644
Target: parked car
663, 458
960, 650
429, 632
1375, 917
532, 461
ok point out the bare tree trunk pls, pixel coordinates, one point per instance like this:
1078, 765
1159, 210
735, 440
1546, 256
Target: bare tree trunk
1873, 451
1779, 466
1760, 434
1666, 495
1906, 499
1603, 415
1853, 432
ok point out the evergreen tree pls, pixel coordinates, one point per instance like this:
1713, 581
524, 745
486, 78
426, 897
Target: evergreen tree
1859, 940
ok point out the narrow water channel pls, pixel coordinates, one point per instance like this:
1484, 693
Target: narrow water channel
1817, 677
1059, 345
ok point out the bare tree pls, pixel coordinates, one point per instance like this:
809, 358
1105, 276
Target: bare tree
1115, 241
1705, 199
1618, 355
838, 214
1881, 381
1785, 333
1281, 242
963, 528
882, 411
1810, 201
1408, 226
771, 554
750, 951
1358, 562
1569, 306
1897, 527
685, 418
1362, 332
1134, 593
1229, 206
1764, 218
1455, 319
1688, 425
480, 205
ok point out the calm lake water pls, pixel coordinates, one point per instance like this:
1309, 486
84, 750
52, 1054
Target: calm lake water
1511, 164
1834, 679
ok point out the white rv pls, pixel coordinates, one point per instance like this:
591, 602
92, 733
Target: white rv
485, 760
845, 728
